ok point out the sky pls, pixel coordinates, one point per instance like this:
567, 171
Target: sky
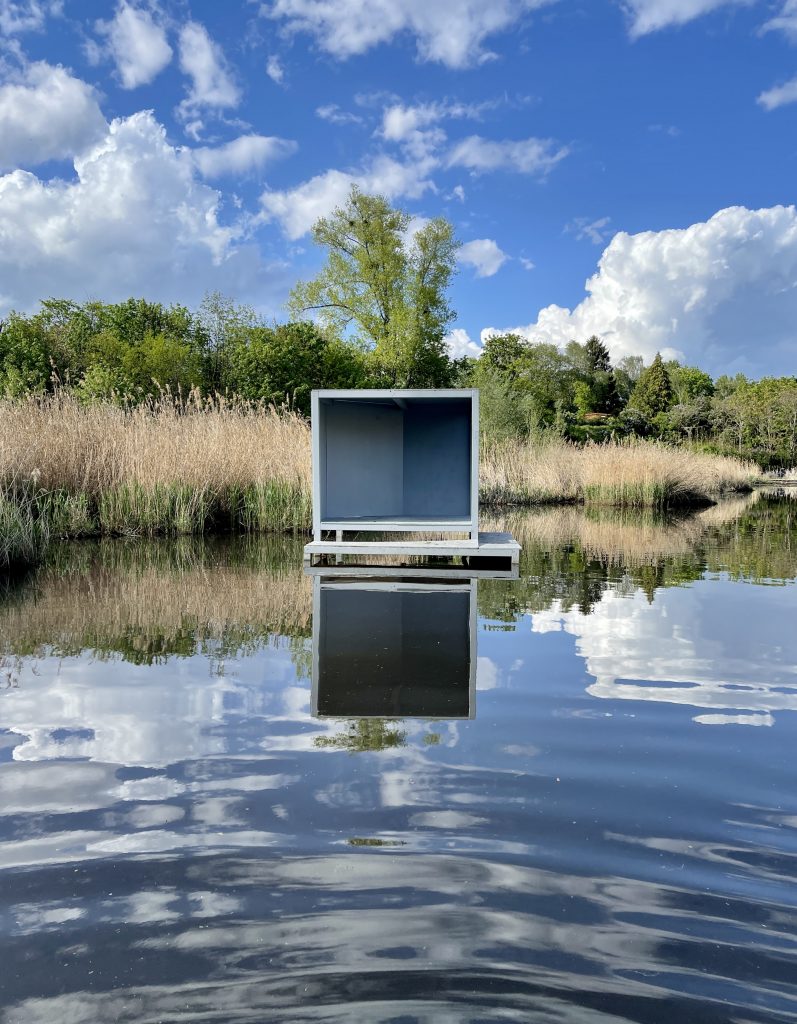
618, 167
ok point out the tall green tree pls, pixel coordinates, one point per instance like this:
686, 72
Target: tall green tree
653, 392
385, 286
597, 355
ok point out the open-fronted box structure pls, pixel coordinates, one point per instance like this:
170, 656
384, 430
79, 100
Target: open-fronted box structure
396, 461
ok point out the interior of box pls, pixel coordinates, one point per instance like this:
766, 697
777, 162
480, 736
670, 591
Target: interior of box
385, 461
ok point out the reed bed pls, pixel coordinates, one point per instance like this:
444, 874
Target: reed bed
179, 465
172, 466
629, 474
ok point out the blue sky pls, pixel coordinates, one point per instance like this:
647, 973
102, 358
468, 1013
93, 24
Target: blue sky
620, 168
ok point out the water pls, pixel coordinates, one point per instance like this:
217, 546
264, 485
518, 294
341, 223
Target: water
598, 825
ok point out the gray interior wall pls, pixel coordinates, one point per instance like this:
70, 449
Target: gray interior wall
437, 440
363, 459
388, 654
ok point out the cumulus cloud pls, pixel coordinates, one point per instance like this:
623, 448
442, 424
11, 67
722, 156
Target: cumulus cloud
135, 220
26, 15
779, 95
651, 15
46, 114
484, 255
137, 44
526, 156
241, 155
297, 209
451, 32
721, 293
459, 344
212, 82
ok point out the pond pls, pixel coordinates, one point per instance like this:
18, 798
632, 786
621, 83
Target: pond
564, 797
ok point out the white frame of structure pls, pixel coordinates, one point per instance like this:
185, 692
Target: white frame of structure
469, 525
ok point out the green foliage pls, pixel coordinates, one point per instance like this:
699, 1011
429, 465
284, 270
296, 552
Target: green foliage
283, 364
653, 392
386, 290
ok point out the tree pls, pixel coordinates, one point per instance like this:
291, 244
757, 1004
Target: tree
653, 391
597, 356
386, 286
689, 383
221, 324
283, 364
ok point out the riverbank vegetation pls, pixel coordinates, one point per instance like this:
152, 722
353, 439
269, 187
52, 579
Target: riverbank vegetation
181, 466
138, 418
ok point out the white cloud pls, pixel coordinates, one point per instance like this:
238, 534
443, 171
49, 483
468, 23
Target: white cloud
47, 114
527, 264
275, 70
26, 15
595, 231
484, 255
212, 83
458, 192
241, 155
722, 292
416, 128
297, 209
449, 31
137, 44
779, 95
652, 15
336, 115
785, 22
526, 156
459, 344
133, 221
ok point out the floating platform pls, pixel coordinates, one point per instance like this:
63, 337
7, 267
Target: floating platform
490, 546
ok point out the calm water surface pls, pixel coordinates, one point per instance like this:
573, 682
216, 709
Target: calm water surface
598, 824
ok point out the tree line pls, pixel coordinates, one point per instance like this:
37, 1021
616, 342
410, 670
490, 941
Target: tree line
376, 316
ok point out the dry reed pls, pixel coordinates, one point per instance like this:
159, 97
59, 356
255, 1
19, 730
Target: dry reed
169, 466
179, 466
630, 474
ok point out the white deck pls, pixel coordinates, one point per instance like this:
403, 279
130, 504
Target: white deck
490, 545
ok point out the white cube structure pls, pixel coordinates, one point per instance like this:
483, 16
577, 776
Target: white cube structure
396, 461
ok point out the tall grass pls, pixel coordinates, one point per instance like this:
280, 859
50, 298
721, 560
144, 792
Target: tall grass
171, 466
189, 465
23, 533
630, 474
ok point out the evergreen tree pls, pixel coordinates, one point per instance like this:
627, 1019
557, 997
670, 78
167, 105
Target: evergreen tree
653, 391
597, 356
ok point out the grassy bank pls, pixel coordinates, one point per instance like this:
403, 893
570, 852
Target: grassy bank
632, 474
175, 466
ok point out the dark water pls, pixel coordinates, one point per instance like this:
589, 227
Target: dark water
612, 837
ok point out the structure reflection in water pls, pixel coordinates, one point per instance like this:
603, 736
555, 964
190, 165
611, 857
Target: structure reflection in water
393, 642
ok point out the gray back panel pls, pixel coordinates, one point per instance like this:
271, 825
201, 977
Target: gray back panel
437, 467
